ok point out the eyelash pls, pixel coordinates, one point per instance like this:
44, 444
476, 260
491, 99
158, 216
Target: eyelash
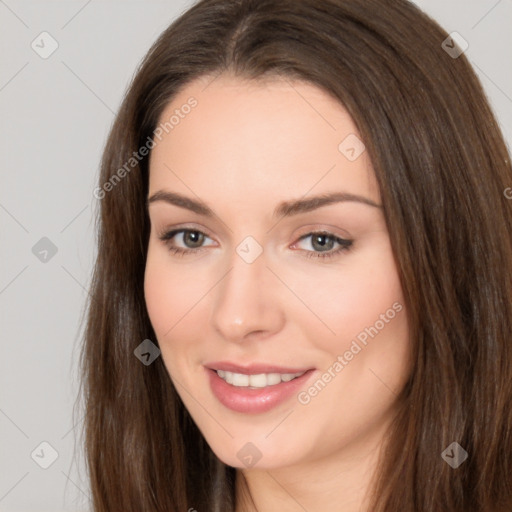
344, 244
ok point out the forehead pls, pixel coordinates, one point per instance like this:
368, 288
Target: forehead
276, 139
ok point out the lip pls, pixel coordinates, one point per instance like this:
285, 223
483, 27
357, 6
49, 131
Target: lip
254, 401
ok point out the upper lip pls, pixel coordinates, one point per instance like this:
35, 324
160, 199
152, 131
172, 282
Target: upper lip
254, 368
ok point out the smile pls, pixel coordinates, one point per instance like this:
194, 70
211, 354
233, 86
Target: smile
259, 389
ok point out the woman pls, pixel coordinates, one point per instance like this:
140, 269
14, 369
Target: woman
302, 298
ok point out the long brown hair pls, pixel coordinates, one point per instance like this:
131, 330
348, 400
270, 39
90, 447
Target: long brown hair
443, 169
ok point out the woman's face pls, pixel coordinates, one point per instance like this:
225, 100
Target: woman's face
269, 260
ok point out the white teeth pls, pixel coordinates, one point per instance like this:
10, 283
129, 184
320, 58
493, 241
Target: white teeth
273, 378
259, 380
239, 379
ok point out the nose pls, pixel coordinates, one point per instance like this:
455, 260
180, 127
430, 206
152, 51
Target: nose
246, 302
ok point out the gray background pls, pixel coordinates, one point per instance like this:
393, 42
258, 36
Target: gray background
55, 114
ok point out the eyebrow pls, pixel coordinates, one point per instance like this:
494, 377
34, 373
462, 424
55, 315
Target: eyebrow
284, 209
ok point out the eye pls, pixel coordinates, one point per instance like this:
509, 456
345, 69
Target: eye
184, 241
323, 244
320, 244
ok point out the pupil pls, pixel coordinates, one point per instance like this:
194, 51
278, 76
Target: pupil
322, 242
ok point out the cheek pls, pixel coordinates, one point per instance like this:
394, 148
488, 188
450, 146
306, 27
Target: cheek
353, 300
170, 292
177, 295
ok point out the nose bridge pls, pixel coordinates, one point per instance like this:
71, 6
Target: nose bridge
244, 300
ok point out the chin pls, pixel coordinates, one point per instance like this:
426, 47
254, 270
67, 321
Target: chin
259, 453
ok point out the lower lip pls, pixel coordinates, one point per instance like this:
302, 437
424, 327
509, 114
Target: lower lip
253, 401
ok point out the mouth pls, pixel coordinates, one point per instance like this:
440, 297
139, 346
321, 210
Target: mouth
255, 388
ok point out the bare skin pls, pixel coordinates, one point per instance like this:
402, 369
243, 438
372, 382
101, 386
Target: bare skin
244, 149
